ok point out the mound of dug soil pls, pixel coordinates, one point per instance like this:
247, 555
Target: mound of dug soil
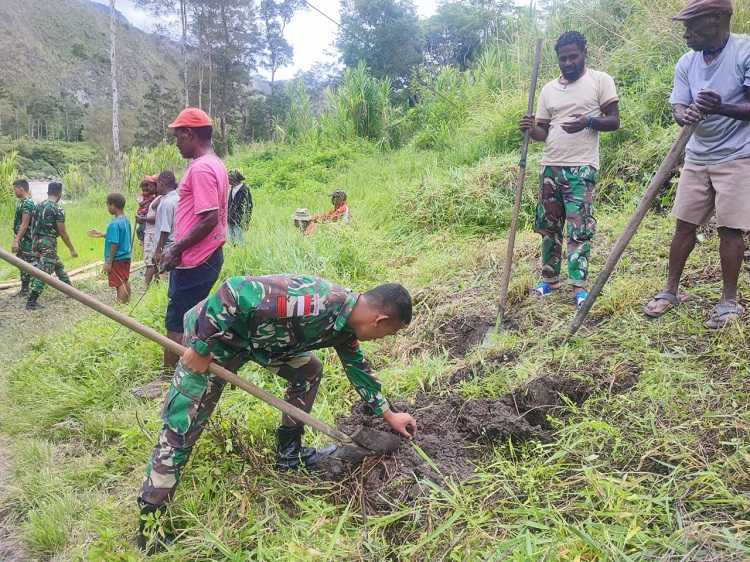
450, 434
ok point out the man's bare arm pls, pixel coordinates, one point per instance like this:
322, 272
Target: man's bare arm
64, 235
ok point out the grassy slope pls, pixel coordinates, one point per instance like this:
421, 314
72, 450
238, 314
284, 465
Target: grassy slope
658, 471
661, 471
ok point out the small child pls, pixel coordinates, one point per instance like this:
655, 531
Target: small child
148, 194
117, 247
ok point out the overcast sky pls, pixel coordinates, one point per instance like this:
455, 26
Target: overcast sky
310, 34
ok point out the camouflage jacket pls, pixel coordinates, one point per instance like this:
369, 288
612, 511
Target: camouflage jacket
24, 206
46, 216
277, 317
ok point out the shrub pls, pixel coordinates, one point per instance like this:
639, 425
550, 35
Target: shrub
478, 198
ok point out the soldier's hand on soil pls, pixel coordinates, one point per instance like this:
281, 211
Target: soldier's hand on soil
195, 362
527, 123
708, 102
73, 254
578, 124
401, 423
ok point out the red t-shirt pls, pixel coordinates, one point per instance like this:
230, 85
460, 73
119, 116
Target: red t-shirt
205, 187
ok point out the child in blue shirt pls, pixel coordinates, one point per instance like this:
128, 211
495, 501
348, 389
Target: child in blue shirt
118, 242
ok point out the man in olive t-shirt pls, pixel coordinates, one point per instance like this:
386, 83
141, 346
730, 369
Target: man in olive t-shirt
572, 110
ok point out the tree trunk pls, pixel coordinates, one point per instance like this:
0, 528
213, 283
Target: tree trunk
210, 80
116, 172
183, 20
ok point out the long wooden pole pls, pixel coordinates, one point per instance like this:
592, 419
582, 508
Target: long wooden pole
174, 347
661, 176
508, 266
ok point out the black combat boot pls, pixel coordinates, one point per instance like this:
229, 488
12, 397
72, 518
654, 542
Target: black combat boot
151, 541
291, 455
24, 292
31, 304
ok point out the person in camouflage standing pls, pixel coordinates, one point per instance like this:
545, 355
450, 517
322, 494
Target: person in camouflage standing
48, 224
275, 321
22, 230
573, 109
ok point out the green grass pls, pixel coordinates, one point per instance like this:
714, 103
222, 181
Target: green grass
658, 472
80, 217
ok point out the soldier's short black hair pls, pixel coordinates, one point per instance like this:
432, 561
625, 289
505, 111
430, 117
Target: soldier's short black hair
116, 199
54, 188
394, 299
571, 38
23, 184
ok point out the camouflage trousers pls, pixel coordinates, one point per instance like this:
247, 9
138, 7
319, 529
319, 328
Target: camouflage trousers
191, 400
50, 263
28, 257
566, 200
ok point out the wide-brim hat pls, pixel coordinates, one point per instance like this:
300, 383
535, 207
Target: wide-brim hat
698, 8
302, 215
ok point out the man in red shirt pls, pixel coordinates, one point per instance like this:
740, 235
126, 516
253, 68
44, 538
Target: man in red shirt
200, 227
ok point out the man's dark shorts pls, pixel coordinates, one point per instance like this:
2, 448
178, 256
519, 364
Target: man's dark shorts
188, 287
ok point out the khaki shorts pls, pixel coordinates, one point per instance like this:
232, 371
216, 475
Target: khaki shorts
723, 188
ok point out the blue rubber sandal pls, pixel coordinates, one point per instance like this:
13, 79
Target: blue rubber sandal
581, 297
544, 289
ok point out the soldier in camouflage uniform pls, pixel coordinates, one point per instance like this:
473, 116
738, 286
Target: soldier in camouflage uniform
573, 109
22, 225
274, 321
48, 224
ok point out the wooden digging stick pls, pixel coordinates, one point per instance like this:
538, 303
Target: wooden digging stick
658, 181
508, 266
174, 347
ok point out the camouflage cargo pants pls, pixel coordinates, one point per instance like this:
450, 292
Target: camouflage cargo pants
191, 400
50, 263
566, 200
28, 257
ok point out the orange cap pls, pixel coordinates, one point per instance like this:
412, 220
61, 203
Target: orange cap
191, 117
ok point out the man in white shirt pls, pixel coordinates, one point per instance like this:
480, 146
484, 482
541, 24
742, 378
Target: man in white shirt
572, 110
166, 187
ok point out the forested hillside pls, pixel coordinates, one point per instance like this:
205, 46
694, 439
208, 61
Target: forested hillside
56, 70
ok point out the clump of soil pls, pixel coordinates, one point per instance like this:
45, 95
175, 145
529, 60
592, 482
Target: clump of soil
479, 370
460, 334
451, 432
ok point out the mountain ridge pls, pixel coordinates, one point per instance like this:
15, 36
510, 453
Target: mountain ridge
59, 51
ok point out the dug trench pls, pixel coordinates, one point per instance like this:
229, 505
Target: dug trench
453, 432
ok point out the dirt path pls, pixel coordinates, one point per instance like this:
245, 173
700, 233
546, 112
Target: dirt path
19, 330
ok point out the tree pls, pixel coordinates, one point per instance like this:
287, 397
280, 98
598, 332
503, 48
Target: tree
458, 30
230, 32
115, 98
159, 107
385, 34
180, 8
275, 15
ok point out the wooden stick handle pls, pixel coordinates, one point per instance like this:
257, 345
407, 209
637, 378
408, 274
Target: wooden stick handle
661, 176
174, 347
508, 265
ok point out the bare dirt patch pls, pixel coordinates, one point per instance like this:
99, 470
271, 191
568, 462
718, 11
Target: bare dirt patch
452, 433
483, 368
461, 334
